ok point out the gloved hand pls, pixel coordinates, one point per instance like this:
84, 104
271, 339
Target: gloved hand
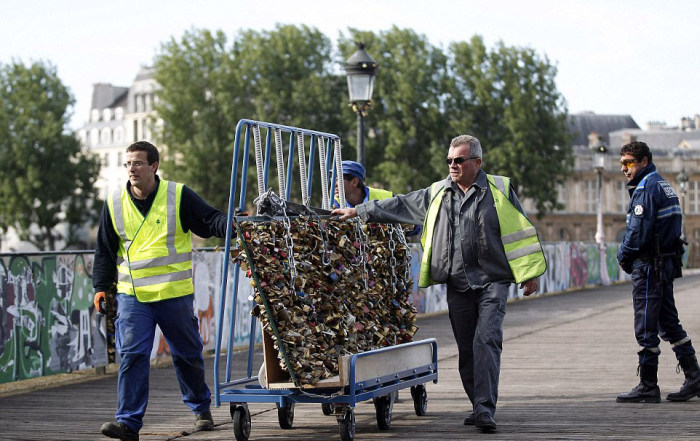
626, 266
100, 302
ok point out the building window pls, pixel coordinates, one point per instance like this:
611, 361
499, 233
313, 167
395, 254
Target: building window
95, 115
136, 130
564, 235
119, 113
118, 135
105, 160
119, 158
561, 196
94, 137
106, 136
107, 114
693, 197
591, 195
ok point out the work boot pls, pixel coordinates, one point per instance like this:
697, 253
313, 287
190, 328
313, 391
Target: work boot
647, 391
204, 421
470, 419
120, 431
485, 422
691, 386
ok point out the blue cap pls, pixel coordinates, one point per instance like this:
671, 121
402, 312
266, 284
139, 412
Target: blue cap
354, 169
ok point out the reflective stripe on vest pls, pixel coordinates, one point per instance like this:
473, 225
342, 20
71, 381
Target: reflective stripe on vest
154, 261
426, 240
519, 237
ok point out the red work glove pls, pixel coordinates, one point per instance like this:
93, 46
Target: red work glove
100, 302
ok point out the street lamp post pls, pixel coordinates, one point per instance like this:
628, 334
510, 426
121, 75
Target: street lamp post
683, 183
599, 149
360, 69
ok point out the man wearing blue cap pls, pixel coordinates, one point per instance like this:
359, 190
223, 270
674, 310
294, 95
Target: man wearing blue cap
356, 192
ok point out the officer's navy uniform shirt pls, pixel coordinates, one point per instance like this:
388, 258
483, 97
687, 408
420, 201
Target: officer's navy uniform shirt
653, 210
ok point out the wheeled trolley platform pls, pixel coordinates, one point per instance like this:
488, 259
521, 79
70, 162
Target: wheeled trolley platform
375, 375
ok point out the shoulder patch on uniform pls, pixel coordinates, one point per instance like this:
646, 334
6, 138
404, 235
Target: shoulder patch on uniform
668, 190
638, 210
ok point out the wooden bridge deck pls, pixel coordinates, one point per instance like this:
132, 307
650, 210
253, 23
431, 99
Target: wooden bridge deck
565, 358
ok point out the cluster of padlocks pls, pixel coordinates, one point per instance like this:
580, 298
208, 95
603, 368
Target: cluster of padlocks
327, 288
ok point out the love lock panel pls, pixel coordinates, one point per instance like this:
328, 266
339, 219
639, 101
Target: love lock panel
326, 288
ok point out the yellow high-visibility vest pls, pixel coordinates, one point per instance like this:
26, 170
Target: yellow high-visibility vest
373, 194
154, 261
518, 236
378, 193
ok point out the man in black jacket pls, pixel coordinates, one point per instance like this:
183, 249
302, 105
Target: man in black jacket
144, 243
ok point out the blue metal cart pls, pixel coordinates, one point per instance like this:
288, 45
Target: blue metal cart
337, 401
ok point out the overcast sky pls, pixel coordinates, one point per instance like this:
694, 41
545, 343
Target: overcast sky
634, 57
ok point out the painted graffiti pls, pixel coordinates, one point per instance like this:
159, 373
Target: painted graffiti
48, 323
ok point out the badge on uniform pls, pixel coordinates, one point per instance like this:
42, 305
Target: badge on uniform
668, 190
638, 210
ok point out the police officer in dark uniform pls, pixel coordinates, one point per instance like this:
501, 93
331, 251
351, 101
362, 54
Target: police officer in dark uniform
651, 252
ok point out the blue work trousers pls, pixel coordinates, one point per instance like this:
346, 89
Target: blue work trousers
135, 327
655, 313
477, 324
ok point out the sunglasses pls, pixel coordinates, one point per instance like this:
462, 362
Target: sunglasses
627, 162
458, 159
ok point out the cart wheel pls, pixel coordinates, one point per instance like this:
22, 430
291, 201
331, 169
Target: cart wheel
241, 422
420, 399
383, 407
285, 415
328, 408
346, 425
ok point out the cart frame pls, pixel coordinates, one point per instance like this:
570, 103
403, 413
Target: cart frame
340, 400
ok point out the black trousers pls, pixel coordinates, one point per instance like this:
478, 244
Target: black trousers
477, 324
655, 313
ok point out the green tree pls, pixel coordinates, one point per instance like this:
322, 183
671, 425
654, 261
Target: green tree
200, 99
507, 97
46, 178
207, 85
406, 121
290, 74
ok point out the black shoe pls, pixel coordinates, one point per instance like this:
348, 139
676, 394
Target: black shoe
647, 391
120, 431
470, 420
485, 422
691, 385
204, 421
641, 394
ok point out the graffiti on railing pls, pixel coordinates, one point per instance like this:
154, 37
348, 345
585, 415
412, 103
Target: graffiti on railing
48, 323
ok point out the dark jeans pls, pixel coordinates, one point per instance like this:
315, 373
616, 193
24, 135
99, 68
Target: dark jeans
655, 313
477, 323
135, 327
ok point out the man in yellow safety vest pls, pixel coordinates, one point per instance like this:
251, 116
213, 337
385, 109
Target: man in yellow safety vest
144, 243
477, 240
